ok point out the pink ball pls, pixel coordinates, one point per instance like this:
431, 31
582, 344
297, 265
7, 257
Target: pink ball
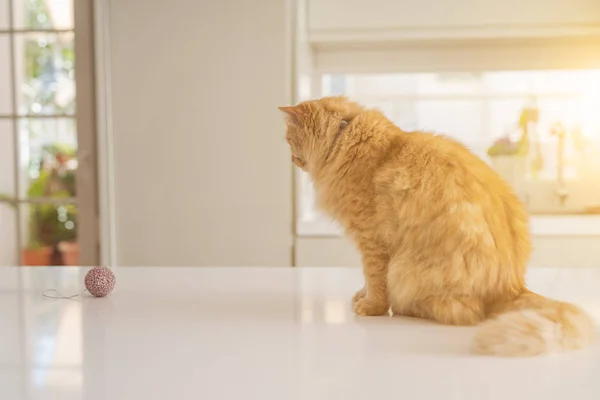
100, 281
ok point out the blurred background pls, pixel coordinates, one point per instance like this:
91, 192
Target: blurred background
139, 132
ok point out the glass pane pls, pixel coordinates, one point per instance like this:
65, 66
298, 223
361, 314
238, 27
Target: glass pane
447, 84
504, 115
5, 76
45, 73
7, 160
49, 234
8, 234
48, 150
43, 14
441, 117
386, 107
540, 82
380, 84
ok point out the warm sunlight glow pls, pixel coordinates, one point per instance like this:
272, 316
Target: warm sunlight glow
590, 113
61, 13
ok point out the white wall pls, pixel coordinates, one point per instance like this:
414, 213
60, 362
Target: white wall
201, 168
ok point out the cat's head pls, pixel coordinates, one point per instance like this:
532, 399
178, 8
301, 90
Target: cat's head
314, 126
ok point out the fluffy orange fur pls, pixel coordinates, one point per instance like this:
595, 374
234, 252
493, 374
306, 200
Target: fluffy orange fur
442, 236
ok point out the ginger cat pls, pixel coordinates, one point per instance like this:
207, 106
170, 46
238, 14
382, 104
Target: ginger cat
442, 236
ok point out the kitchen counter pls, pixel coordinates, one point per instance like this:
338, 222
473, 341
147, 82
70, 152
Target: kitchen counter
260, 333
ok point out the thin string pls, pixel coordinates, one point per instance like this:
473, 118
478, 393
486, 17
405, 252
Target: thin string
59, 296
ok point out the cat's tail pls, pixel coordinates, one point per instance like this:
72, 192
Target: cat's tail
531, 325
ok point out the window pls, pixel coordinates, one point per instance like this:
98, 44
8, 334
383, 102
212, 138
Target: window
41, 131
539, 129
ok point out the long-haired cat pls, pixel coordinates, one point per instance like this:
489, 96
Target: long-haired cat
442, 236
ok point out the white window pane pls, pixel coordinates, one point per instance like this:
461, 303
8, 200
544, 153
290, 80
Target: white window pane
307, 204
335, 85
386, 107
47, 147
552, 111
562, 81
449, 84
43, 14
382, 85
5, 76
541, 82
503, 117
45, 73
406, 115
461, 120
508, 82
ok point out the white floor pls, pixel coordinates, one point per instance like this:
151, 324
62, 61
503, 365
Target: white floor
254, 333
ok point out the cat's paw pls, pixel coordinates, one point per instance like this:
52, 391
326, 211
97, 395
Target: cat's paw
371, 307
359, 295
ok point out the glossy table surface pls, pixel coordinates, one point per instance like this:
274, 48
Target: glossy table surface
260, 333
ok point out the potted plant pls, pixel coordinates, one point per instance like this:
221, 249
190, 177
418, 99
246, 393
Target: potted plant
52, 229
35, 253
509, 157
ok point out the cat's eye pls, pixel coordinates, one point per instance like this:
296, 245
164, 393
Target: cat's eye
344, 123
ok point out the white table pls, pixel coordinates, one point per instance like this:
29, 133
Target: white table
259, 333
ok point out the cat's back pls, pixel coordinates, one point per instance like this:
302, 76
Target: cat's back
428, 178
434, 193
437, 165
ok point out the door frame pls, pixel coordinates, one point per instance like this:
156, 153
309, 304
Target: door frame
87, 169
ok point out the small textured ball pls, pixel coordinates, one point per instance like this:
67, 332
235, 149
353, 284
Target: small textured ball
100, 281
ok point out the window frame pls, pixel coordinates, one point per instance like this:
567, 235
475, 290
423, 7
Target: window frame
85, 120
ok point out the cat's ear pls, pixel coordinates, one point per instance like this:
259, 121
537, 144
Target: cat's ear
295, 114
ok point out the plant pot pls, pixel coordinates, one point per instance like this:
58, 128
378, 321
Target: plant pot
70, 253
37, 257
